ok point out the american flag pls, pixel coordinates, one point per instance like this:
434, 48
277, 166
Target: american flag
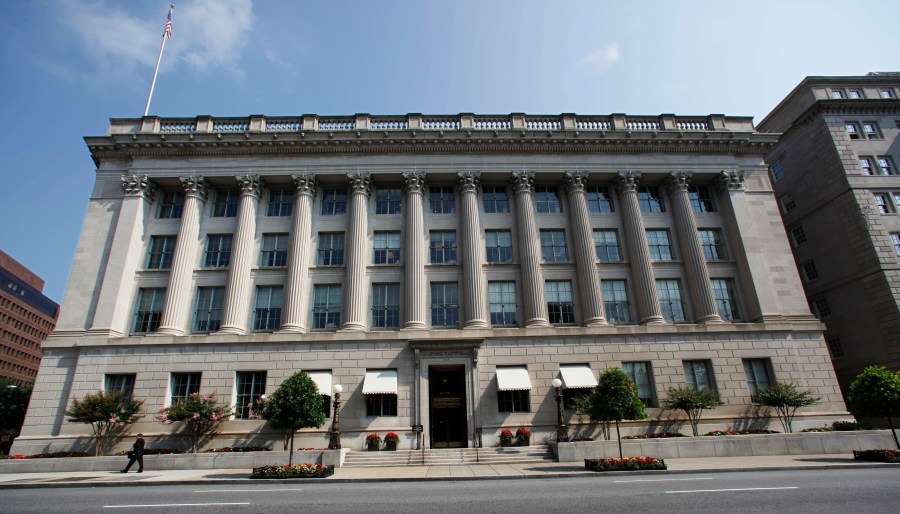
168, 32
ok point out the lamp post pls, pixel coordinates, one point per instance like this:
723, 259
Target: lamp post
562, 431
334, 442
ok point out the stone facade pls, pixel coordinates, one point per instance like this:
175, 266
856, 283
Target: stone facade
438, 252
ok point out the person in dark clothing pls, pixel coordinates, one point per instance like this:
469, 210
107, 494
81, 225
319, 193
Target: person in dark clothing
136, 455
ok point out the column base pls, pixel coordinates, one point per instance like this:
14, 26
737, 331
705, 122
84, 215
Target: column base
107, 332
476, 323
595, 322
225, 329
537, 323
352, 327
414, 325
167, 331
712, 319
654, 320
291, 328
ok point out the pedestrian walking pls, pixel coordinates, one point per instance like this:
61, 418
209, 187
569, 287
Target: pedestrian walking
136, 455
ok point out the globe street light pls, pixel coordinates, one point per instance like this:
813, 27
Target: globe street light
334, 442
562, 431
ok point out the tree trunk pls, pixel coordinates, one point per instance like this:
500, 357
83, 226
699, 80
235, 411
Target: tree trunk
291, 454
893, 433
619, 437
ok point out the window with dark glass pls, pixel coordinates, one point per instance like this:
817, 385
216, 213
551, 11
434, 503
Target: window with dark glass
502, 301
248, 387
641, 374
650, 199
495, 199
726, 299
387, 200
513, 401
148, 312
670, 300
777, 171
225, 203
712, 244
182, 386
274, 251
327, 306
444, 304
809, 271
334, 202
381, 404
208, 313
498, 244
267, 310
161, 250
553, 246
698, 375
123, 383
385, 305
701, 199
546, 199
659, 245
599, 199
386, 247
560, 306
171, 203
615, 301
759, 375
281, 203
218, 251
331, 249
606, 244
442, 200
442, 246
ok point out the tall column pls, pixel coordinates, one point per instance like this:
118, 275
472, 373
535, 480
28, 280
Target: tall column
530, 251
176, 312
414, 288
639, 253
237, 291
475, 303
585, 253
355, 291
117, 289
691, 249
297, 285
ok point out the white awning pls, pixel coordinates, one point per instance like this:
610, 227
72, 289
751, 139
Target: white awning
380, 382
513, 379
577, 377
322, 380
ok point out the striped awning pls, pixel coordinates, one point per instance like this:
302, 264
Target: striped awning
577, 376
380, 382
322, 380
513, 379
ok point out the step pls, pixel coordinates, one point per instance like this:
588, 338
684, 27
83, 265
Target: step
449, 457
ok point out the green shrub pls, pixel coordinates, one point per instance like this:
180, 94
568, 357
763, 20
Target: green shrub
692, 401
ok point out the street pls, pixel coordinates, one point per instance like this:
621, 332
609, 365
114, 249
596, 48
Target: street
819, 491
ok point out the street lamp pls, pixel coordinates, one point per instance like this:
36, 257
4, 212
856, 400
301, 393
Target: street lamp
334, 442
562, 431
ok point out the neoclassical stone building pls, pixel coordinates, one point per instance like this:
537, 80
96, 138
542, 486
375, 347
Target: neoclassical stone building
442, 269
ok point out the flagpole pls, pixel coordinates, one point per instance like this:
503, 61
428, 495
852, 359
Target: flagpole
159, 58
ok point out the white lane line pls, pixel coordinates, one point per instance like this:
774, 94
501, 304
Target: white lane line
245, 490
732, 490
663, 480
157, 505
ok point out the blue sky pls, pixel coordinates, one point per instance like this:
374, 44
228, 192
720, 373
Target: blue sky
67, 66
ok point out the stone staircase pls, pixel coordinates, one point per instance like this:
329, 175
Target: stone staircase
450, 457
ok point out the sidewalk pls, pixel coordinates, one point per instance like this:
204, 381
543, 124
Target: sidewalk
421, 473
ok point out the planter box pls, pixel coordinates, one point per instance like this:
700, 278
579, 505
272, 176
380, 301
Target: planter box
260, 473
626, 464
390, 446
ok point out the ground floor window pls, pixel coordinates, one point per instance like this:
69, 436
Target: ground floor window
249, 386
642, 375
759, 375
698, 374
184, 385
117, 383
381, 405
513, 401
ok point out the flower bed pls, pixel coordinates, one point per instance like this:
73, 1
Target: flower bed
237, 449
54, 455
298, 471
626, 464
661, 435
716, 433
152, 451
892, 456
818, 429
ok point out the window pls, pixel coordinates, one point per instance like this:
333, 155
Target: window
559, 302
615, 301
171, 203
599, 199
385, 305
387, 200
884, 203
885, 93
726, 299
758, 375
712, 244
823, 310
606, 244
777, 171
442, 200
809, 271
381, 405
161, 250
787, 203
148, 312
698, 375
571, 396
670, 300
218, 251
386, 246
660, 248
225, 204
866, 164
837, 94
274, 251
871, 130
553, 246
498, 245
444, 304
798, 235
650, 199
248, 387
183, 385
513, 401
885, 165
208, 314
119, 383
701, 199
281, 203
502, 300
836, 348
895, 239
495, 199
326, 311
334, 202
546, 199
852, 130
855, 94
443, 246
331, 249
641, 374
267, 311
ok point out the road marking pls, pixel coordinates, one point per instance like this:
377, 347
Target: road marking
732, 490
663, 480
171, 505
245, 490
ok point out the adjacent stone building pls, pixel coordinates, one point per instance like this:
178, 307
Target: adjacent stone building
835, 175
442, 269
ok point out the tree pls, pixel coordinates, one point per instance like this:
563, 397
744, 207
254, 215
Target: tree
108, 414
785, 399
692, 401
614, 399
875, 393
200, 413
296, 404
13, 404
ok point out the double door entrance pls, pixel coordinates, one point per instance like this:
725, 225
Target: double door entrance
447, 406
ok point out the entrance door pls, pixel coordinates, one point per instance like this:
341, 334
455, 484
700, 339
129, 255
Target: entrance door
447, 395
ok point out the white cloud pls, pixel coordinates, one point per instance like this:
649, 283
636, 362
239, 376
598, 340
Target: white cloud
601, 59
213, 32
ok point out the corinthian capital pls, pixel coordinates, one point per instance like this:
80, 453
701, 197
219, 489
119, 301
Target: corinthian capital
627, 181
360, 183
469, 181
730, 180
576, 180
133, 185
195, 186
414, 182
306, 184
523, 181
678, 180
250, 185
